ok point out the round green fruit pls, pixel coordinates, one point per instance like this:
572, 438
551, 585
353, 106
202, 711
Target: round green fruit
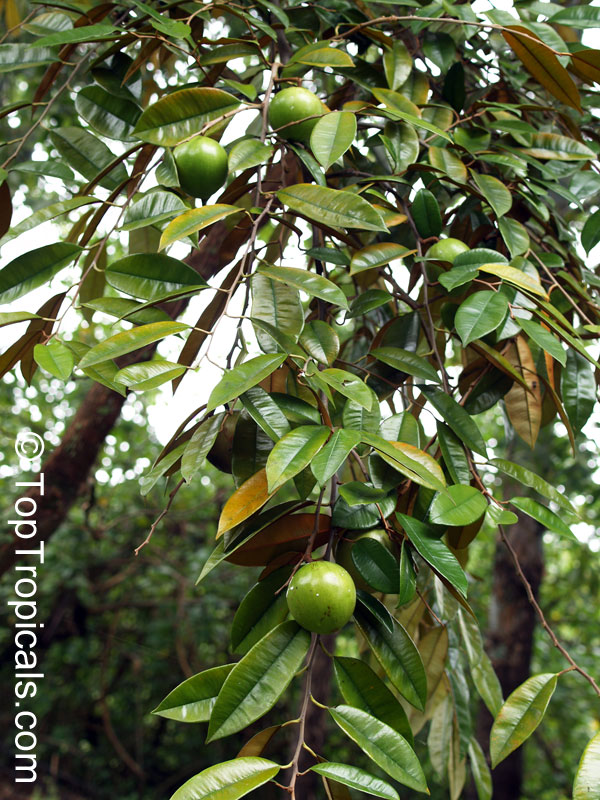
292, 105
321, 597
201, 165
447, 249
343, 554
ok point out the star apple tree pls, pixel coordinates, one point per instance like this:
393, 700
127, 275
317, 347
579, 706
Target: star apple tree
395, 203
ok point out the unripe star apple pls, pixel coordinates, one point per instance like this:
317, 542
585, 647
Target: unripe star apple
321, 597
201, 165
447, 249
292, 105
343, 554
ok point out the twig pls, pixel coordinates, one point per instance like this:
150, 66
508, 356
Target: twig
541, 616
161, 516
291, 788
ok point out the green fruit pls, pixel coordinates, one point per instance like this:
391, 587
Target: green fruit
447, 249
343, 554
321, 597
201, 166
291, 105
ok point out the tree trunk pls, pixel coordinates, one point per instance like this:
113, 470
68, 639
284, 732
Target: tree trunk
510, 633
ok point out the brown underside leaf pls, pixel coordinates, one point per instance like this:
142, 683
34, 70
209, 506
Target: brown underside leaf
524, 406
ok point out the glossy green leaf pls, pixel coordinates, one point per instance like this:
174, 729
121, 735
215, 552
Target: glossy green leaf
265, 412
397, 654
402, 145
578, 389
127, 341
162, 23
334, 207
553, 146
85, 153
544, 338
109, 115
323, 56
262, 609
426, 214
496, 194
397, 65
515, 236
407, 580
362, 688
479, 770
151, 276
390, 101
15, 56
279, 305
229, 780
12, 317
457, 505
590, 235
358, 493
367, 301
238, 380
293, 452
309, 282
534, 481
153, 208
463, 425
149, 374
83, 33
454, 455
35, 268
543, 515
320, 341
587, 779
385, 746
347, 384
377, 255
49, 212
435, 552
405, 361
417, 465
376, 565
249, 153
458, 276
181, 114
487, 683
520, 715
447, 161
194, 698
332, 135
193, 221
55, 358
130, 310
480, 314
331, 457
356, 778
257, 681
199, 446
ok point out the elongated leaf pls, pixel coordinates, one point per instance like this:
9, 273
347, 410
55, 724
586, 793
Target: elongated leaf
544, 338
397, 65
278, 304
587, 779
127, 341
148, 374
377, 255
151, 276
463, 425
257, 681
323, 56
194, 220
347, 384
547, 518
541, 62
534, 481
356, 778
515, 277
154, 207
293, 452
83, 33
243, 377
394, 102
181, 114
577, 16
229, 780
49, 212
15, 56
309, 282
247, 499
426, 214
260, 611
524, 405
520, 715
110, 115
32, 269
435, 552
405, 361
457, 505
320, 341
334, 207
199, 446
193, 700
553, 146
331, 457
397, 654
248, 153
376, 565
383, 744
417, 465
454, 455
269, 539
515, 236
480, 314
332, 136
407, 579
84, 152
578, 389
447, 161
362, 688
265, 412
496, 194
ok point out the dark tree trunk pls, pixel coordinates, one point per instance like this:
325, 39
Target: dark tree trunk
510, 632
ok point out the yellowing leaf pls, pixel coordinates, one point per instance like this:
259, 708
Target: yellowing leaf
250, 496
